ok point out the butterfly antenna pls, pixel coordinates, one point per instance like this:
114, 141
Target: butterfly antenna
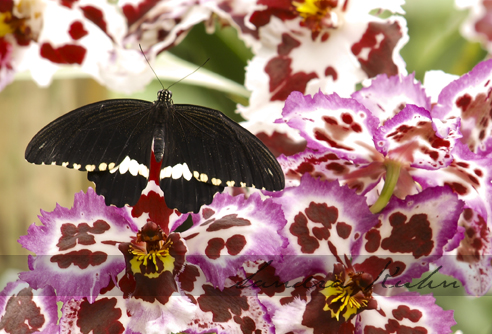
153, 69
199, 67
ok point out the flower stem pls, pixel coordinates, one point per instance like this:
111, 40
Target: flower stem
392, 174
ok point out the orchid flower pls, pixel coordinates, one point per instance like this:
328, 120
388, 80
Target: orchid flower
310, 45
383, 184
119, 262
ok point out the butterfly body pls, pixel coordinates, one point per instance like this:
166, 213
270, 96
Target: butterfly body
200, 149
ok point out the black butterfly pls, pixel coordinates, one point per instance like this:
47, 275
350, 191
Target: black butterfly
201, 150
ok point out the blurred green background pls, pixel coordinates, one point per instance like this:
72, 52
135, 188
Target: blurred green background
435, 43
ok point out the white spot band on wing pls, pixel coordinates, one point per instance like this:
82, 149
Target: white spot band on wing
179, 170
130, 165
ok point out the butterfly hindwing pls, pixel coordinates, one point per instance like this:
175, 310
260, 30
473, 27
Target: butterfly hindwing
217, 152
187, 195
118, 189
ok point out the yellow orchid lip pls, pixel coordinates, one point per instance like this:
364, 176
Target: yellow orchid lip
310, 8
319, 15
155, 252
5, 27
347, 293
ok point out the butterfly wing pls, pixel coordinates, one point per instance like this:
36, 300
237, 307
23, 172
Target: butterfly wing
187, 195
217, 151
118, 189
110, 139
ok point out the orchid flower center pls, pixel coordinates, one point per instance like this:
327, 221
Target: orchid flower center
318, 14
154, 258
347, 294
5, 24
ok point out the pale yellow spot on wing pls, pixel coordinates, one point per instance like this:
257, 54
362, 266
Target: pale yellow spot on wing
103, 166
216, 182
230, 183
144, 171
76, 166
203, 177
90, 168
243, 184
111, 165
65, 164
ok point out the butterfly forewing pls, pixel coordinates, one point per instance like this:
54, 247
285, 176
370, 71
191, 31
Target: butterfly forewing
96, 137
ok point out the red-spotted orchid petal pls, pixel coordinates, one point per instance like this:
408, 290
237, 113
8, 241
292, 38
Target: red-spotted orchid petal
324, 165
233, 309
468, 98
470, 177
24, 310
76, 249
158, 25
470, 262
305, 47
173, 317
435, 81
386, 97
324, 220
106, 314
410, 138
341, 125
408, 312
411, 233
90, 34
232, 230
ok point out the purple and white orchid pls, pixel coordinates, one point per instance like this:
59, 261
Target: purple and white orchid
383, 184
